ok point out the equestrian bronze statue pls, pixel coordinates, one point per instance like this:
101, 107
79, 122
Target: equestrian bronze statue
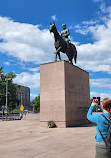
63, 44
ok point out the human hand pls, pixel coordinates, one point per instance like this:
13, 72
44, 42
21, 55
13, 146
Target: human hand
94, 103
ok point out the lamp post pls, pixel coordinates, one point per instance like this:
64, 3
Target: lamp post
21, 108
21, 98
6, 93
6, 79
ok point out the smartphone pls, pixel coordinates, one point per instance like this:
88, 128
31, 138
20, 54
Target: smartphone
97, 100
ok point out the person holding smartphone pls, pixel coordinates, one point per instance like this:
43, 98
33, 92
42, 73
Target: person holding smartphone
102, 125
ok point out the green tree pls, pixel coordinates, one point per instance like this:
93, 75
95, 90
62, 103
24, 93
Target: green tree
36, 104
12, 96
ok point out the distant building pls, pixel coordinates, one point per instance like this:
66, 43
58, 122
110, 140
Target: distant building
23, 94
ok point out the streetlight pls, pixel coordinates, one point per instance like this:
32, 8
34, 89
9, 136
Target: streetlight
7, 79
6, 92
21, 98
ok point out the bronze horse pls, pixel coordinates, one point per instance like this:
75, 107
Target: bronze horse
61, 45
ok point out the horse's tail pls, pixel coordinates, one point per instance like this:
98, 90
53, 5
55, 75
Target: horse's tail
74, 53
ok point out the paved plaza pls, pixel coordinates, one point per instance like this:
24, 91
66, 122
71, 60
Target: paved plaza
26, 139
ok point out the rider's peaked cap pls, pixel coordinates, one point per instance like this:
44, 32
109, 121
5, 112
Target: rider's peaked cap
63, 25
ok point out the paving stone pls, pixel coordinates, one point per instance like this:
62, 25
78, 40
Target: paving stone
25, 138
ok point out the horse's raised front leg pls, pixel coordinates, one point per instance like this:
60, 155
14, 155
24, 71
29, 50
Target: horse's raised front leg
56, 57
58, 53
70, 60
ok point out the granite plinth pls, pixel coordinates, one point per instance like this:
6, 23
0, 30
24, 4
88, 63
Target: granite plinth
64, 94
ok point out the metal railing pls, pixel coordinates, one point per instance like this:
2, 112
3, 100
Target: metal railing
10, 117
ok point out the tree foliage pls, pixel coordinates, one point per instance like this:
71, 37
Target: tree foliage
36, 104
12, 96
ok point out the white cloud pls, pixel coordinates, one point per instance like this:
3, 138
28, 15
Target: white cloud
31, 80
26, 41
96, 56
103, 7
7, 63
33, 96
101, 83
85, 27
90, 22
36, 69
102, 95
53, 17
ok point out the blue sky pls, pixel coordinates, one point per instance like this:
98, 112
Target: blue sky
25, 41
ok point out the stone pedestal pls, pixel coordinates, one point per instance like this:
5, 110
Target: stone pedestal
64, 94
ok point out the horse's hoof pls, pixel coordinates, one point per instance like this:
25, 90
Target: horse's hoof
70, 63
